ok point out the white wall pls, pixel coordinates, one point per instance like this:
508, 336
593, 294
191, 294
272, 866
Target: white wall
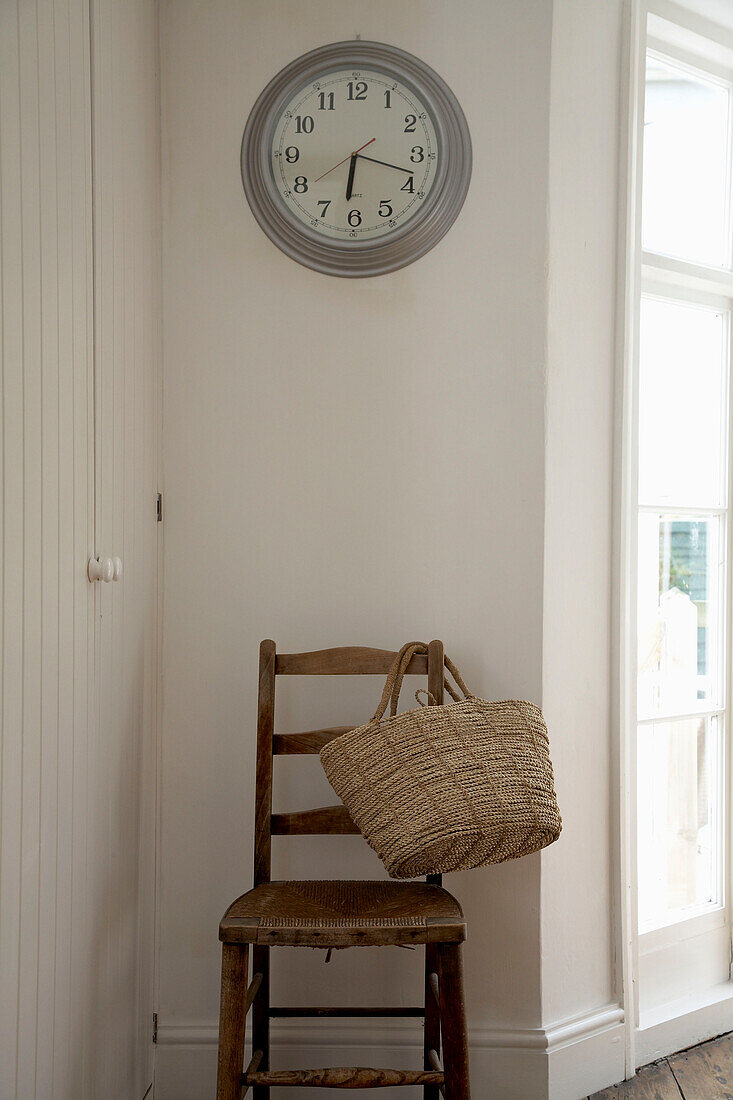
577, 919
345, 462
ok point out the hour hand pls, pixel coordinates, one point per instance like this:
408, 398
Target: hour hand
350, 180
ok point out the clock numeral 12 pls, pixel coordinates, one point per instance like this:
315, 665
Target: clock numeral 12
358, 90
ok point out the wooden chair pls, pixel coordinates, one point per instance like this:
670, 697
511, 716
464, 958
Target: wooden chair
334, 914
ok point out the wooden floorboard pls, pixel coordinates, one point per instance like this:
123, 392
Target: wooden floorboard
655, 1082
705, 1072
700, 1073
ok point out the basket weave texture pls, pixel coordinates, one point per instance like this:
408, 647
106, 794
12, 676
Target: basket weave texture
450, 787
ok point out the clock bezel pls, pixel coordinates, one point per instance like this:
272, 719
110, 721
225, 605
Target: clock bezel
423, 230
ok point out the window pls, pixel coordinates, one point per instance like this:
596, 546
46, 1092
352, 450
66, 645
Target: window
681, 486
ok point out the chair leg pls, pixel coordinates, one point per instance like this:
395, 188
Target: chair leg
453, 1020
432, 1018
261, 1017
232, 1020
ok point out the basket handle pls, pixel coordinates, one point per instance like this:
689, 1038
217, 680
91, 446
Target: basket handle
396, 674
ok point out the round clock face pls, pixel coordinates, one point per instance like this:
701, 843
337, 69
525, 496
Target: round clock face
354, 154
356, 159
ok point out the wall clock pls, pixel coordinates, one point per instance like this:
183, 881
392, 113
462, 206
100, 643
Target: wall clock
356, 159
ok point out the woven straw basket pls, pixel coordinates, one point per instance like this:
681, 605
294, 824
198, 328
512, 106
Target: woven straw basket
447, 788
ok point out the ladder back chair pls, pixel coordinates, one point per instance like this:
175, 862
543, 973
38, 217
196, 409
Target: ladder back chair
334, 914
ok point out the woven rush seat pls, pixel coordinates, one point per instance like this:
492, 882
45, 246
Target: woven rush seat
343, 914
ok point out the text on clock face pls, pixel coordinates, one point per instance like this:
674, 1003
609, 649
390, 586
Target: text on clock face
354, 154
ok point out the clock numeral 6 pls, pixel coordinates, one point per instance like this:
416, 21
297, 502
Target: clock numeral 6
354, 218
384, 208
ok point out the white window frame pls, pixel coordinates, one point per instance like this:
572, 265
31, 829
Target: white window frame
695, 43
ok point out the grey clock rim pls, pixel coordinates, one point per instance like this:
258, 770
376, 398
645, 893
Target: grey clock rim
358, 259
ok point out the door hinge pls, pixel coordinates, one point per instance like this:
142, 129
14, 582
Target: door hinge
155, 1027
159, 508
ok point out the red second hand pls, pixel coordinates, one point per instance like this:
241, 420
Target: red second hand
346, 158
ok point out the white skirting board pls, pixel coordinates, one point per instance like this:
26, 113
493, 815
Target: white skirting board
566, 1061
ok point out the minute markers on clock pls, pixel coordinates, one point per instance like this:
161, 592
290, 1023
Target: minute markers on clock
334, 216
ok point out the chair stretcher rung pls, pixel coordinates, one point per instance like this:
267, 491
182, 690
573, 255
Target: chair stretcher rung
355, 1077
418, 1012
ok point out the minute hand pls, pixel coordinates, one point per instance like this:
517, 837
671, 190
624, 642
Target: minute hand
410, 171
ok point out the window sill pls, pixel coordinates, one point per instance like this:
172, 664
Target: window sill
684, 1022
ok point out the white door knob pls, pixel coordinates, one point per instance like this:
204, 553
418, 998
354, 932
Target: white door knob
104, 569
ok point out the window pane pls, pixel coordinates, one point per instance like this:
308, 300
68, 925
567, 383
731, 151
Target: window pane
682, 413
684, 208
679, 614
679, 819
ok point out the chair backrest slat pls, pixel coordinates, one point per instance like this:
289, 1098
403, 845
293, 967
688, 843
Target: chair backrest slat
311, 741
346, 661
343, 661
320, 822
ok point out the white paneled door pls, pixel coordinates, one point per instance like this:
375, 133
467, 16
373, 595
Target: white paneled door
79, 269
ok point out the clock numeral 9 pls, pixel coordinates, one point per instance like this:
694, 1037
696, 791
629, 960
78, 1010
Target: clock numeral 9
304, 124
354, 218
410, 124
300, 185
358, 90
417, 154
292, 153
384, 208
